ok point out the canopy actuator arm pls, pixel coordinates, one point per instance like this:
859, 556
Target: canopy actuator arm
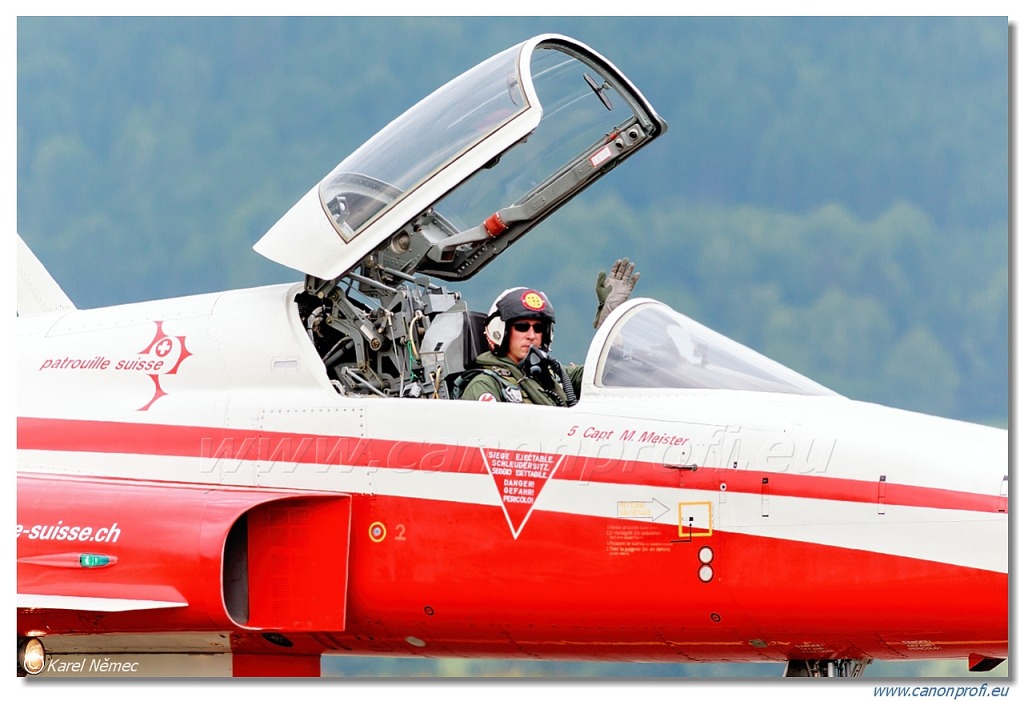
550, 194
493, 226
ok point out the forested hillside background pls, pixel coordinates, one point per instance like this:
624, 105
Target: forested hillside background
831, 191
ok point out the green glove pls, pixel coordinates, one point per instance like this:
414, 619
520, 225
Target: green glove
614, 288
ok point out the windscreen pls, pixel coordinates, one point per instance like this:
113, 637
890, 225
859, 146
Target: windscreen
653, 346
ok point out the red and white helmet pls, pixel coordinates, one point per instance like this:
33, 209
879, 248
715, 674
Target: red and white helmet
512, 305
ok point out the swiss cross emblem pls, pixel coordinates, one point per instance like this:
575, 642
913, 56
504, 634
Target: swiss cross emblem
163, 347
162, 356
171, 351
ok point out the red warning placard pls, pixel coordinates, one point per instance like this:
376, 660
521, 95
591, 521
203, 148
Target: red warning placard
519, 476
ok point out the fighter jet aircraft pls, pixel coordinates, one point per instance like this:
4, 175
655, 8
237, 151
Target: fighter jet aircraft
242, 482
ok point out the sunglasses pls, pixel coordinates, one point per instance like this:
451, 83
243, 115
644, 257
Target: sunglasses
524, 326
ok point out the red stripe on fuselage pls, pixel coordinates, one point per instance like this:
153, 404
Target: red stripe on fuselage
72, 435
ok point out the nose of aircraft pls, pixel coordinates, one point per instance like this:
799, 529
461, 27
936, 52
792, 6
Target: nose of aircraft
909, 522
942, 484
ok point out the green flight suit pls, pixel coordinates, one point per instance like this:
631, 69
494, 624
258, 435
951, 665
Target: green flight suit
506, 382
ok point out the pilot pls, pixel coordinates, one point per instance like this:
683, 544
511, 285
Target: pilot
519, 328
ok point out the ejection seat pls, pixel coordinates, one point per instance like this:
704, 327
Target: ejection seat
450, 346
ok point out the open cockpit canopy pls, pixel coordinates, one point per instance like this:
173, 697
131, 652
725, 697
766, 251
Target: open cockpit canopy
471, 168
437, 194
